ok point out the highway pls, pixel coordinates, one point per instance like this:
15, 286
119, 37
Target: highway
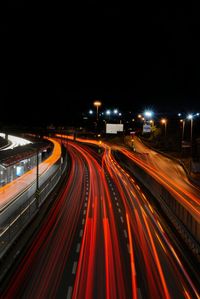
101, 239
168, 172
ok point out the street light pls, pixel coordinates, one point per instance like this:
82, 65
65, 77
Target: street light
97, 104
164, 122
148, 113
108, 112
183, 128
190, 116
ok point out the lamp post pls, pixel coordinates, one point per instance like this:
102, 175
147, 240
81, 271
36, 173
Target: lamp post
190, 117
183, 129
164, 122
97, 104
108, 112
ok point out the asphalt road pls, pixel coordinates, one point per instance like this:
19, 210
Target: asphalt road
167, 172
102, 239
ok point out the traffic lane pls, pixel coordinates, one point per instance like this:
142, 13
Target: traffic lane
164, 269
41, 269
119, 216
187, 199
168, 166
99, 273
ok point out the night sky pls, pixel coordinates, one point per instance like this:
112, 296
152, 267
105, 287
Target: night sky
128, 57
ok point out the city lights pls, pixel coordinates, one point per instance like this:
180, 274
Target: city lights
148, 113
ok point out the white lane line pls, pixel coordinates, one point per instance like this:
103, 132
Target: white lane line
122, 220
81, 233
84, 212
85, 204
114, 193
117, 204
115, 198
119, 210
69, 293
125, 234
83, 221
139, 293
86, 198
74, 268
78, 247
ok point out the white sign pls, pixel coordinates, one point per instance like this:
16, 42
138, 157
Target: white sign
146, 128
114, 128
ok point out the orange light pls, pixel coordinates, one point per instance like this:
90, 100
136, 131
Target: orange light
163, 121
97, 103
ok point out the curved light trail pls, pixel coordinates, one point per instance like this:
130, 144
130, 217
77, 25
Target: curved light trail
123, 248
15, 141
10, 190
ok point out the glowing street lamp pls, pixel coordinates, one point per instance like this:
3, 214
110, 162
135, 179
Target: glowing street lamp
183, 128
148, 113
108, 112
97, 104
164, 122
190, 117
115, 111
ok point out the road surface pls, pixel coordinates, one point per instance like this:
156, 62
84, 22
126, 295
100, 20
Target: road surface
101, 239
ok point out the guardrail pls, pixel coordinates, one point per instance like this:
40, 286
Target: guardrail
13, 226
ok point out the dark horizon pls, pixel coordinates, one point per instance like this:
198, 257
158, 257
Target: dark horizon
127, 57
51, 104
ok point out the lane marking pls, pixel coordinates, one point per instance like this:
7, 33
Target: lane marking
117, 204
74, 268
81, 233
69, 293
78, 247
125, 234
84, 212
85, 204
139, 293
122, 220
119, 210
83, 221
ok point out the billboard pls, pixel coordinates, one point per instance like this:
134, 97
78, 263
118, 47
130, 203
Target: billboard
146, 128
114, 128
